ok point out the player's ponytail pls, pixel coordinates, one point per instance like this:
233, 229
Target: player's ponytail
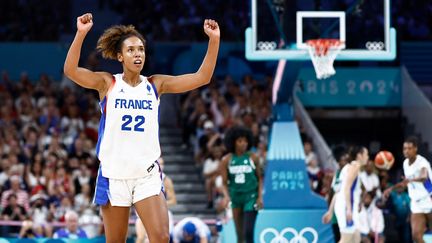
110, 42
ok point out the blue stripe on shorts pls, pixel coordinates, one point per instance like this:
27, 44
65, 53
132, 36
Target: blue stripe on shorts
160, 174
101, 190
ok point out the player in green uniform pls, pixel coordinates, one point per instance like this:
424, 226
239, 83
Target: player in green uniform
242, 182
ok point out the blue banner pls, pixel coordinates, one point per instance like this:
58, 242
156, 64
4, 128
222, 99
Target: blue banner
286, 182
351, 87
287, 185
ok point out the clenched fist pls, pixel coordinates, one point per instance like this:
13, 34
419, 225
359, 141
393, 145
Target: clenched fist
211, 28
84, 22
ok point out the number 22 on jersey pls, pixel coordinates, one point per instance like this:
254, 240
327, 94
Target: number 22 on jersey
133, 123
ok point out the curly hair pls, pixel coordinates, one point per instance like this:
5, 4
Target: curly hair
110, 42
237, 132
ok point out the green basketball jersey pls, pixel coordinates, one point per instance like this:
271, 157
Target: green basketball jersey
241, 174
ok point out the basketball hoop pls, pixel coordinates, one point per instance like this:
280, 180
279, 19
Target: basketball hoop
323, 52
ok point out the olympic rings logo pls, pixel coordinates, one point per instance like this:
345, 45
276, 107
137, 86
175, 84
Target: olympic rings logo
279, 237
266, 45
375, 45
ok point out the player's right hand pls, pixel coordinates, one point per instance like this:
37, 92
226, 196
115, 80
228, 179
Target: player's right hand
84, 22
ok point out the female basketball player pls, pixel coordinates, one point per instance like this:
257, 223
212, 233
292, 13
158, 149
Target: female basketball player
242, 182
128, 144
418, 179
342, 156
348, 198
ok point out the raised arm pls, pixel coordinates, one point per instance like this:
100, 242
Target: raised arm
99, 81
187, 82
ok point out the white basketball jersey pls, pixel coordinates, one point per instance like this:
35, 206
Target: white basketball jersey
129, 130
355, 190
418, 190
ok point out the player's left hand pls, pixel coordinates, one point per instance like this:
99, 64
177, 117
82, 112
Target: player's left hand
259, 203
211, 28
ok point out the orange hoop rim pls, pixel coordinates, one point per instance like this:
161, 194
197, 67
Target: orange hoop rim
321, 46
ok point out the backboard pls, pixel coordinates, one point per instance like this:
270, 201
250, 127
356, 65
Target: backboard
280, 28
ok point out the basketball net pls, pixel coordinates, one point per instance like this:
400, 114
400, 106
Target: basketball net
323, 52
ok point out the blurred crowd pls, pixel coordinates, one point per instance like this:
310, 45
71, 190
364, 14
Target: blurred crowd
44, 20
48, 133
182, 20
34, 20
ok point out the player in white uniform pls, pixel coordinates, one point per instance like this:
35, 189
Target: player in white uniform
191, 230
418, 179
347, 200
128, 144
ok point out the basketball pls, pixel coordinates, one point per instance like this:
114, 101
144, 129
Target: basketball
384, 160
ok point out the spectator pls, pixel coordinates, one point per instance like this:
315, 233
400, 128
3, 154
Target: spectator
209, 136
34, 174
92, 222
62, 181
211, 171
370, 180
371, 220
191, 229
71, 124
13, 212
71, 231
59, 211
310, 156
40, 215
83, 200
22, 196
313, 169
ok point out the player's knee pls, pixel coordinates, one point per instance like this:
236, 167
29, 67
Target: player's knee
160, 236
